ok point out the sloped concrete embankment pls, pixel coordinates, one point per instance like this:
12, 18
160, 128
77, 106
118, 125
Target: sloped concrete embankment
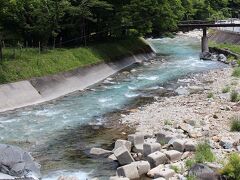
38, 90
225, 37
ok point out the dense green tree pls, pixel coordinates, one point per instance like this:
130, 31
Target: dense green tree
79, 21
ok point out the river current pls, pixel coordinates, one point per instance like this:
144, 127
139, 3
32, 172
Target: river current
60, 132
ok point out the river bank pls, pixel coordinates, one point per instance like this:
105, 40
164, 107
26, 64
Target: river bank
42, 89
56, 132
202, 111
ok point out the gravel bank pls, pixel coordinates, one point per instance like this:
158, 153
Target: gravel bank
201, 102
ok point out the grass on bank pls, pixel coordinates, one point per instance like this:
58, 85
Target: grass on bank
235, 124
232, 47
235, 97
203, 154
232, 168
28, 63
236, 72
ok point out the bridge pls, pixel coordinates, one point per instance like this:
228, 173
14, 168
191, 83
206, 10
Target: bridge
195, 24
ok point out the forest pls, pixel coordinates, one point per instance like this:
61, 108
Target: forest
67, 22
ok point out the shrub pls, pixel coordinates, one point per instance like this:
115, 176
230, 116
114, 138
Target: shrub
232, 168
191, 178
204, 153
168, 122
234, 96
189, 163
175, 168
226, 89
236, 72
210, 95
235, 124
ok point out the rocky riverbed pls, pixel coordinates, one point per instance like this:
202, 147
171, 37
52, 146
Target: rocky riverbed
169, 131
202, 102
202, 111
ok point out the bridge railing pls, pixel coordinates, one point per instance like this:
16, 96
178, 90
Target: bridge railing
197, 22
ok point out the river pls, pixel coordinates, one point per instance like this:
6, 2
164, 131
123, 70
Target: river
60, 132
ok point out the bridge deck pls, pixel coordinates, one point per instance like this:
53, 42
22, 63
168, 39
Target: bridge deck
208, 25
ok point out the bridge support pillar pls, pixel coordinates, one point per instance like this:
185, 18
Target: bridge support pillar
205, 47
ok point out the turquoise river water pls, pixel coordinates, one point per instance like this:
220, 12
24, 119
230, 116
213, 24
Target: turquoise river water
60, 132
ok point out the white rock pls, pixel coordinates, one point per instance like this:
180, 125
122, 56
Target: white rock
164, 137
160, 172
125, 143
166, 173
190, 146
138, 148
153, 173
5, 176
142, 166
130, 171
123, 155
179, 145
136, 139
149, 148
156, 159
173, 155
118, 178
100, 152
112, 157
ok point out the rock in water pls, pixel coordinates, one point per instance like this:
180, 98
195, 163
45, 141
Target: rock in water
222, 58
17, 162
206, 56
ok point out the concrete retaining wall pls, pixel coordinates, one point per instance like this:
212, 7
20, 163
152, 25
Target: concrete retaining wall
225, 37
38, 90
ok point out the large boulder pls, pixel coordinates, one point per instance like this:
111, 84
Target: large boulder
125, 143
222, 58
157, 158
123, 155
99, 152
203, 172
130, 171
16, 162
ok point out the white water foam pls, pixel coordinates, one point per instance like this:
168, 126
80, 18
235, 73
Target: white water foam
70, 175
131, 95
103, 100
150, 78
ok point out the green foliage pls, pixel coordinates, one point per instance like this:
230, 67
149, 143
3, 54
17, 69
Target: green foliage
235, 96
226, 89
29, 63
235, 123
189, 163
191, 178
210, 95
232, 47
236, 72
231, 169
204, 153
175, 168
168, 122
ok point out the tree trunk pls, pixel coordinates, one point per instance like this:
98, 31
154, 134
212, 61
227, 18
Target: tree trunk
1, 53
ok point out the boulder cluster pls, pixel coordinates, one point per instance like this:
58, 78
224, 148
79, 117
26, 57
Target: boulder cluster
16, 163
153, 157
164, 154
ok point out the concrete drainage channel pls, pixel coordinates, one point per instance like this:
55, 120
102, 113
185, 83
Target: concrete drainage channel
39, 90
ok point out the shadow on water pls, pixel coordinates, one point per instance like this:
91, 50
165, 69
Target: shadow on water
70, 150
